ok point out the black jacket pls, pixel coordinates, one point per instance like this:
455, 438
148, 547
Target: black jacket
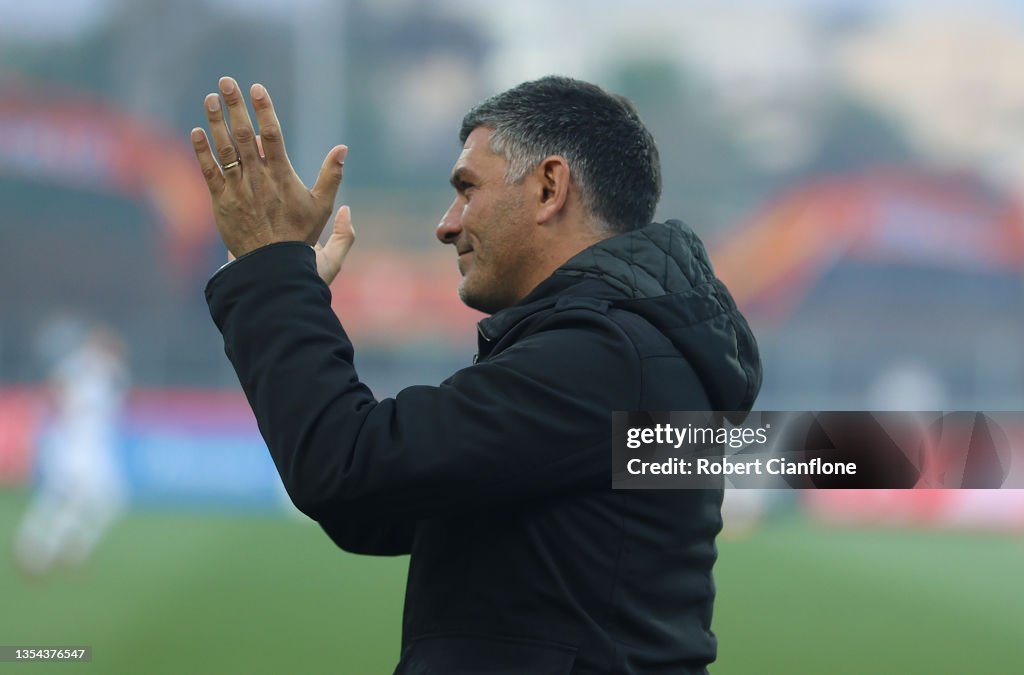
524, 560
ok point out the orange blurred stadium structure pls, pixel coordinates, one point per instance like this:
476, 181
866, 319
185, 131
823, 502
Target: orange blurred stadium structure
69, 137
891, 216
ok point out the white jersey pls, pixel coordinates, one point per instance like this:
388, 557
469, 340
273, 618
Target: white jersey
80, 493
89, 389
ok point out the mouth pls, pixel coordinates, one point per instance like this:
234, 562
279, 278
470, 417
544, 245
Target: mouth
463, 260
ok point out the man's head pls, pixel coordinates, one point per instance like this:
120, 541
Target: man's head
547, 169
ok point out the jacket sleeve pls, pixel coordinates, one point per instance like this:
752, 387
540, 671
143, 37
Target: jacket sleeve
370, 533
534, 420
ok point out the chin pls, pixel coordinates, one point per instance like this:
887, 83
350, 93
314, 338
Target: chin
474, 299
468, 298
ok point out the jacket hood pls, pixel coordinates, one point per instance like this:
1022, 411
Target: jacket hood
662, 272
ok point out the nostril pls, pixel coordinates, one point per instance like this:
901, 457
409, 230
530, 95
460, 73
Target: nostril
447, 230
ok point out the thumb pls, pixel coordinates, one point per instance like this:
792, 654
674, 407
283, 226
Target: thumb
336, 249
331, 173
342, 232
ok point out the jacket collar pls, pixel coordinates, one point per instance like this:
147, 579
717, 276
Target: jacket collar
605, 270
545, 295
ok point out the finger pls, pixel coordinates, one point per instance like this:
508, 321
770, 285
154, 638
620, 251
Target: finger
331, 173
207, 164
241, 126
224, 148
271, 138
259, 145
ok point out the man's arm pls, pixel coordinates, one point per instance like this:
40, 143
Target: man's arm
533, 421
370, 533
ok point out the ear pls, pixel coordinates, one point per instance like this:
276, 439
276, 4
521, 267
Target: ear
554, 178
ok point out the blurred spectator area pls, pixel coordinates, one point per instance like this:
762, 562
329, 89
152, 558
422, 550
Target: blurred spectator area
894, 273
856, 167
107, 216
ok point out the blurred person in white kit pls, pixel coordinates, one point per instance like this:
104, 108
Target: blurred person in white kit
80, 491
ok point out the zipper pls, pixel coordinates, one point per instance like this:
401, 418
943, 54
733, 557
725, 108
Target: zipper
480, 330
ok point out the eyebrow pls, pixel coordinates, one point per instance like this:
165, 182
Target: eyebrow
460, 176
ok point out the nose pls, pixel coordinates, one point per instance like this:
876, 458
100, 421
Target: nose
450, 227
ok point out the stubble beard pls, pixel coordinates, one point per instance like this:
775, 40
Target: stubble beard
491, 295
476, 300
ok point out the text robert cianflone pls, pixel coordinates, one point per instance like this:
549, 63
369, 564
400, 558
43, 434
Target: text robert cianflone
666, 434
724, 466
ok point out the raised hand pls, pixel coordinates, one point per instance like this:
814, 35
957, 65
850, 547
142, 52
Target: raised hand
257, 197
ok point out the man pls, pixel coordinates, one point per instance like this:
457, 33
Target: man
524, 560
81, 491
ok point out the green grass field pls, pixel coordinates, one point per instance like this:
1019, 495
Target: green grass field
198, 593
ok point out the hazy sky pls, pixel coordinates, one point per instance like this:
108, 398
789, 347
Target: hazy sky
61, 19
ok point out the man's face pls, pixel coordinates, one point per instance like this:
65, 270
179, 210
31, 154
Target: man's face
489, 225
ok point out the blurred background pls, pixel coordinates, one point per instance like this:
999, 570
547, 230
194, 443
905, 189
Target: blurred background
855, 166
